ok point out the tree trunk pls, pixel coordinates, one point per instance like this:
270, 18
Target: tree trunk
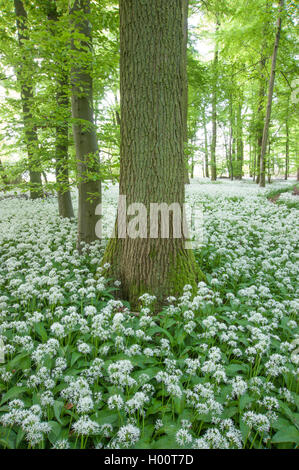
185, 10
65, 206
254, 162
231, 137
214, 110
24, 71
250, 160
3, 175
206, 146
239, 161
192, 166
270, 97
269, 163
84, 130
287, 162
152, 150
260, 115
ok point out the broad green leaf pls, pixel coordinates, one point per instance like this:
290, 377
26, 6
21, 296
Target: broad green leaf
13, 393
289, 434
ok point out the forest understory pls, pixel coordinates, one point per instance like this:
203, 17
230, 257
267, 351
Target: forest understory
218, 369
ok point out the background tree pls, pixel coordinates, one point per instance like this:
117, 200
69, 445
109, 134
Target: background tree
58, 44
270, 97
87, 152
24, 71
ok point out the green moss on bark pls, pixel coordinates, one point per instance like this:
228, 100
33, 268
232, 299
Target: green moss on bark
184, 270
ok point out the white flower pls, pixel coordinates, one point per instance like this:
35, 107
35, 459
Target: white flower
183, 437
256, 421
115, 401
83, 348
85, 426
61, 444
127, 436
239, 386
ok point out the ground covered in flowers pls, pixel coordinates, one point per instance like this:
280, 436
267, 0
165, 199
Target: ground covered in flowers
218, 370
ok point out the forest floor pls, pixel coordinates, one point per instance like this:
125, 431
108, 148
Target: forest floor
218, 370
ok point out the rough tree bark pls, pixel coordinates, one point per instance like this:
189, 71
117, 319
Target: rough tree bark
152, 147
24, 71
65, 206
270, 97
87, 153
185, 9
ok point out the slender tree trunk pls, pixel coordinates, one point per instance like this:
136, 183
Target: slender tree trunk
65, 206
231, 137
239, 162
87, 152
270, 97
250, 160
152, 150
234, 144
3, 175
230, 162
24, 71
260, 114
227, 149
269, 163
192, 166
287, 161
206, 146
214, 111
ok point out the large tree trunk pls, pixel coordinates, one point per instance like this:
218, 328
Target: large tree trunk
84, 130
214, 110
24, 71
185, 9
152, 149
65, 206
270, 96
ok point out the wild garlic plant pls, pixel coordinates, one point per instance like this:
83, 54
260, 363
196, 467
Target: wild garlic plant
213, 369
